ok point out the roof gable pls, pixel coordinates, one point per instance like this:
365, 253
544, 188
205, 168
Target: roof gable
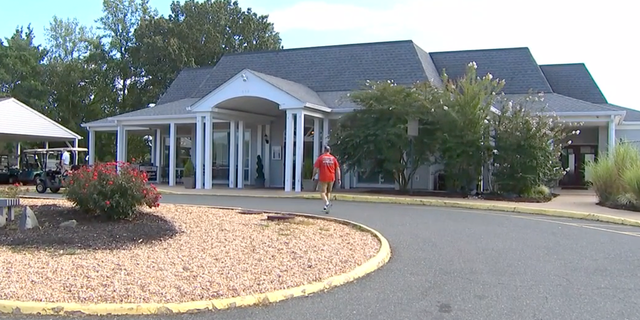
573, 80
322, 69
20, 121
515, 65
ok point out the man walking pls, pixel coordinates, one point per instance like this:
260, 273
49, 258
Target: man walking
326, 167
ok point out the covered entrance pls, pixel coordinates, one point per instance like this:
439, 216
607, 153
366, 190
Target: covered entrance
574, 159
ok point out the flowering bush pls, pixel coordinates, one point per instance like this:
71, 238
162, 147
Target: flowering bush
527, 150
112, 189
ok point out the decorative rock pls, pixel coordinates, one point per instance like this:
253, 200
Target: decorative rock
69, 224
28, 219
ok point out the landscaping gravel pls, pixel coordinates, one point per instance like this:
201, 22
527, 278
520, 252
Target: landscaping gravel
174, 253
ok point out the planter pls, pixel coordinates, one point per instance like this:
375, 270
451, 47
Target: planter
309, 185
259, 183
189, 182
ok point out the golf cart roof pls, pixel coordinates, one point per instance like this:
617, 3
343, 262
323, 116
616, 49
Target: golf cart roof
52, 150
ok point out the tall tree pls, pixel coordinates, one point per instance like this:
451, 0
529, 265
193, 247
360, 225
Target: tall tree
464, 117
198, 33
72, 99
21, 69
118, 23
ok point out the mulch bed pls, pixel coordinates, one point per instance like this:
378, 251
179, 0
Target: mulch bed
91, 232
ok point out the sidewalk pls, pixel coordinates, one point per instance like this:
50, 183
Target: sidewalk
571, 204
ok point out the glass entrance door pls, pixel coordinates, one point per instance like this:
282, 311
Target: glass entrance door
222, 152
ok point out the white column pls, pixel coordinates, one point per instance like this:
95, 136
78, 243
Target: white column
208, 152
267, 156
316, 138
75, 153
299, 149
288, 158
612, 134
158, 147
325, 132
91, 145
120, 144
172, 154
240, 154
232, 154
199, 168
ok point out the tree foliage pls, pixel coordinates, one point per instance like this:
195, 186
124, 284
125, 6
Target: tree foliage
126, 63
375, 137
464, 121
527, 146
460, 128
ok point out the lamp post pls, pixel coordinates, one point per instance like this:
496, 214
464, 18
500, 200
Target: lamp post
412, 132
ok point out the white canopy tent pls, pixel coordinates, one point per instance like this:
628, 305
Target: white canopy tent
20, 123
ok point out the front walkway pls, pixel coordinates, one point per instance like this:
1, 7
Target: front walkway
570, 200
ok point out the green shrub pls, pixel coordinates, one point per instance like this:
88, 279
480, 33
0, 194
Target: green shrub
539, 192
102, 190
527, 149
613, 174
188, 169
631, 180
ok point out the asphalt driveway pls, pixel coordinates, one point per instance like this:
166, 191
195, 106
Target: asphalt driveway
463, 264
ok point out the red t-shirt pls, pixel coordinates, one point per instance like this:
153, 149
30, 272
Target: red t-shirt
327, 166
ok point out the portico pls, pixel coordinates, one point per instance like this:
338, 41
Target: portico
250, 115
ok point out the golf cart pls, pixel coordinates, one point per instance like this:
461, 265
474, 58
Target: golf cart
42, 166
8, 172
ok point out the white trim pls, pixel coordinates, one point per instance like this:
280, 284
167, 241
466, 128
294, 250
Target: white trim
232, 154
240, 156
588, 113
627, 126
312, 113
199, 146
288, 157
97, 125
316, 107
172, 153
300, 133
208, 152
253, 86
241, 115
92, 146
165, 117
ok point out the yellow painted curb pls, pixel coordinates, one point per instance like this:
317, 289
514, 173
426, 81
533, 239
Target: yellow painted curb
47, 308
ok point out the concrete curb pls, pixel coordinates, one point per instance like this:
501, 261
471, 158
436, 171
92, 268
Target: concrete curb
450, 204
47, 308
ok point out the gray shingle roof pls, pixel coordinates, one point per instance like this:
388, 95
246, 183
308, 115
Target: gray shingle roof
560, 103
632, 114
573, 80
299, 91
322, 69
515, 65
